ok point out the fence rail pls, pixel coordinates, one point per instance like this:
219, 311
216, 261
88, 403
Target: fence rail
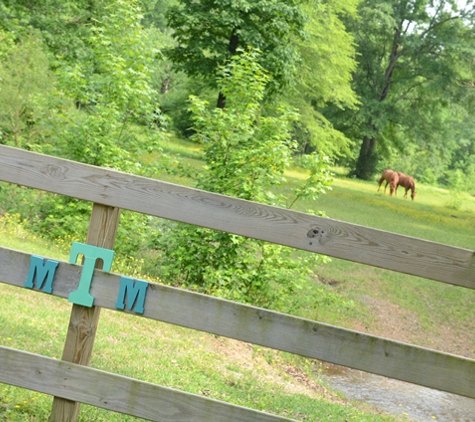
118, 393
266, 328
325, 236
116, 190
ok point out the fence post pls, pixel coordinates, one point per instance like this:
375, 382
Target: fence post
83, 320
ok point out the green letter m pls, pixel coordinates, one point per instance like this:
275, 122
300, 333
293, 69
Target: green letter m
41, 271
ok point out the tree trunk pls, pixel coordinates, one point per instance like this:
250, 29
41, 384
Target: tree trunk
367, 159
233, 45
221, 101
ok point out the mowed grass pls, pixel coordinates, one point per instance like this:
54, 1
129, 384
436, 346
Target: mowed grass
156, 352
252, 376
437, 215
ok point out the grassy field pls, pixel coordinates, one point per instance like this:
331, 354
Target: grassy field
343, 293
424, 312
432, 217
172, 356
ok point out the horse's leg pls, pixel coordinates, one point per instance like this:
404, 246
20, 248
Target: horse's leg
391, 189
405, 194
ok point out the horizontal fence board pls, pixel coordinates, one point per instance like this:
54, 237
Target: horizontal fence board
277, 225
118, 393
308, 338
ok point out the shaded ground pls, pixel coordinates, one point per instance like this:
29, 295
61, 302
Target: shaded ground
268, 366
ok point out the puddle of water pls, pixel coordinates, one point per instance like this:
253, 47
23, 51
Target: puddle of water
400, 398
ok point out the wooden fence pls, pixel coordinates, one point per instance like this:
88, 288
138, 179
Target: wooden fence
72, 381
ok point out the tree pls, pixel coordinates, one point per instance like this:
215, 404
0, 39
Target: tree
246, 155
407, 49
93, 63
324, 75
306, 49
101, 63
111, 87
26, 93
209, 32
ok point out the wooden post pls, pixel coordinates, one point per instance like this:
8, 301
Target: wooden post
84, 321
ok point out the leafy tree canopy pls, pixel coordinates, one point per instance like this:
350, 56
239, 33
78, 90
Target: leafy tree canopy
209, 32
324, 75
407, 50
98, 59
306, 50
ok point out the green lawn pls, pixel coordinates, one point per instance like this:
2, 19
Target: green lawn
432, 216
156, 352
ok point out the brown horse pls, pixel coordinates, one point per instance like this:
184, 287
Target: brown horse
391, 178
407, 182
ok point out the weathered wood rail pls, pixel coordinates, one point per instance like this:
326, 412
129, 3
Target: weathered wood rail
111, 190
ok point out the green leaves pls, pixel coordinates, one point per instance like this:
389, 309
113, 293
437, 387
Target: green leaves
408, 60
112, 87
209, 32
27, 94
246, 154
318, 181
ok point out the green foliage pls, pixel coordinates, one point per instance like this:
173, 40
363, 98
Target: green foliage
27, 92
450, 149
324, 75
209, 32
246, 154
328, 53
319, 179
112, 90
306, 50
409, 55
76, 82
76, 78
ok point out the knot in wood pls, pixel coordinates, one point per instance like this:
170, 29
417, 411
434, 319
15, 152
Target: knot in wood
314, 233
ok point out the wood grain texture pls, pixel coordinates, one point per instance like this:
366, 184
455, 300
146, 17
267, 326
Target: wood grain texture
118, 393
325, 342
295, 229
84, 321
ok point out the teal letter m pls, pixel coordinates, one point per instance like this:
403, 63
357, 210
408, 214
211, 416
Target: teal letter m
135, 292
42, 271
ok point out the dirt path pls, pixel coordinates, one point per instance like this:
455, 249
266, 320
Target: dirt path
396, 323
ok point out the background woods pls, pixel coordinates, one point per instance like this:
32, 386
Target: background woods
257, 87
412, 59
375, 83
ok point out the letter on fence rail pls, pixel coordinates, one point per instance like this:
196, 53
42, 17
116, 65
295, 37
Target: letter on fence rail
41, 271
